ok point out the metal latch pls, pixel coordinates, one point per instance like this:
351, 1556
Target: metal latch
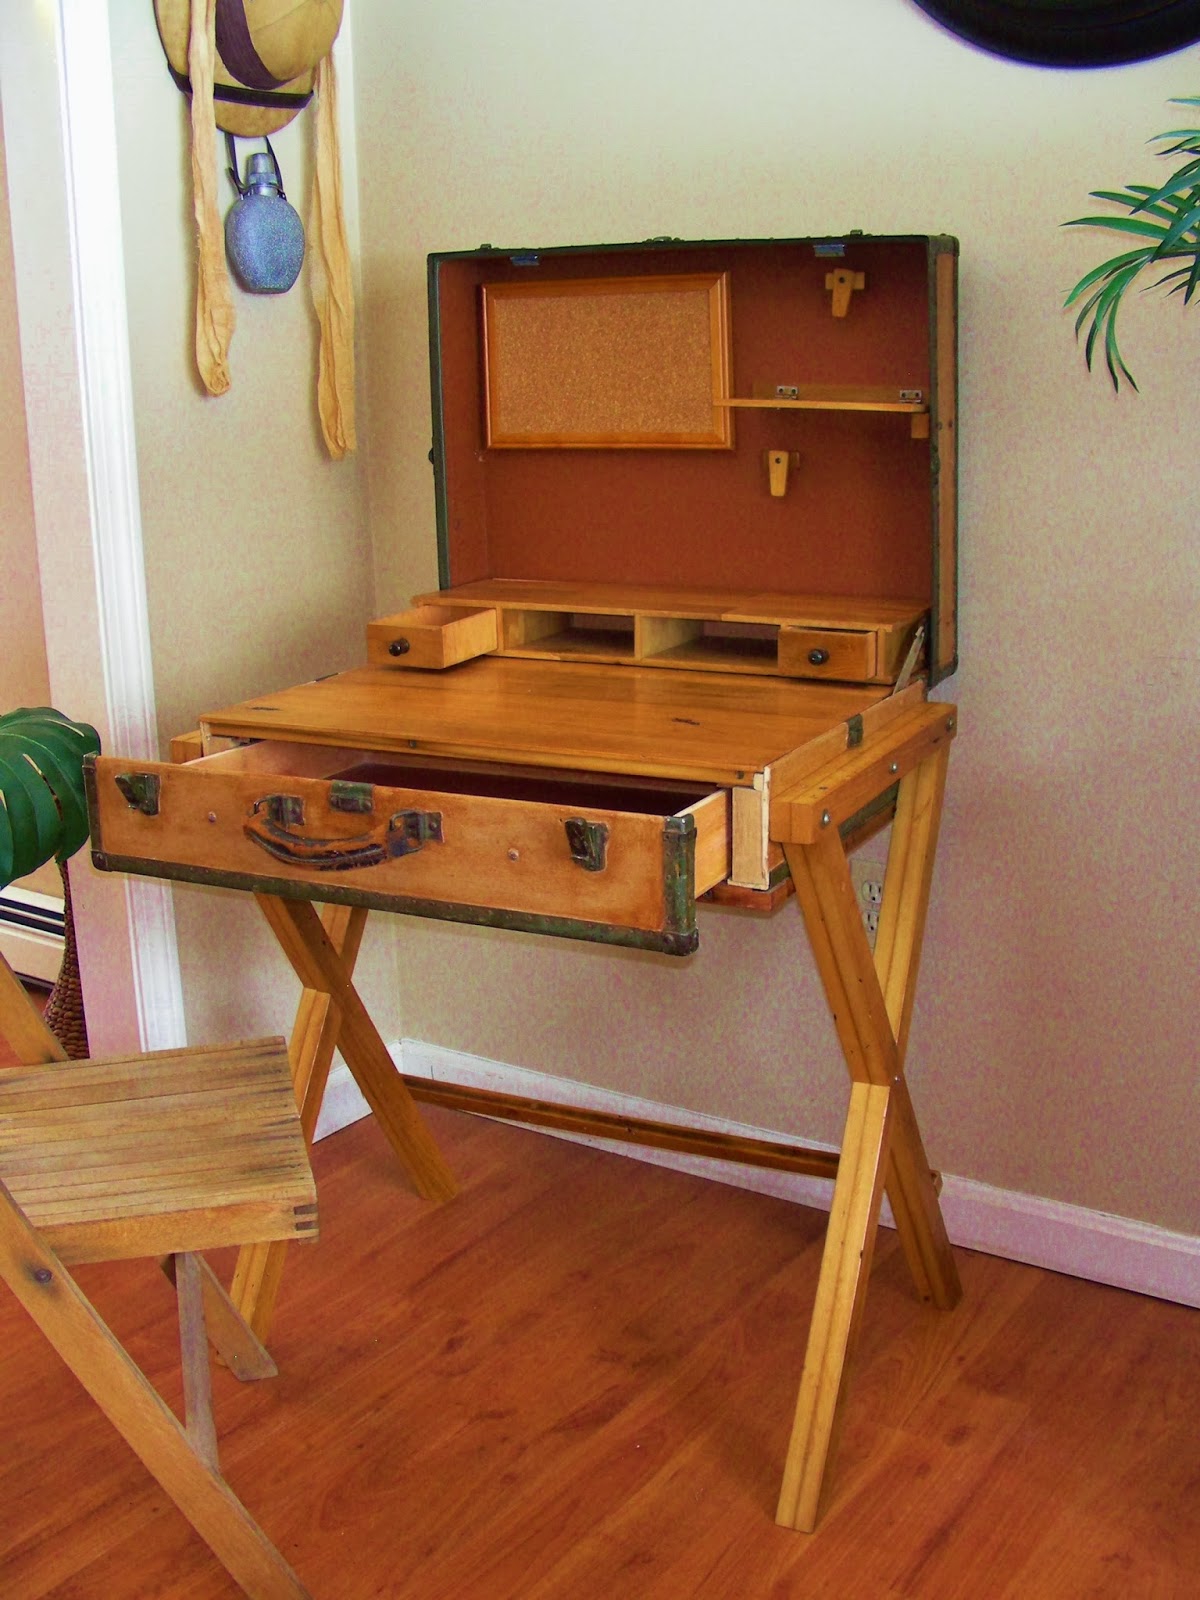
588, 842
141, 791
346, 796
409, 830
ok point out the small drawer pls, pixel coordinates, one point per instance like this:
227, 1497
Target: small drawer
431, 636
592, 856
827, 653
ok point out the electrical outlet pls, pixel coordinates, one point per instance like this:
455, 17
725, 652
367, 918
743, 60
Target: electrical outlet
867, 877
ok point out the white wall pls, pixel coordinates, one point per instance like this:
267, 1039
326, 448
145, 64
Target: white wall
24, 675
1055, 1044
258, 568
1054, 1048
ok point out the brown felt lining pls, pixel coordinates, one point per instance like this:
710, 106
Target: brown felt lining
856, 517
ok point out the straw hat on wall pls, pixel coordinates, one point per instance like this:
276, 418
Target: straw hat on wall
267, 52
248, 67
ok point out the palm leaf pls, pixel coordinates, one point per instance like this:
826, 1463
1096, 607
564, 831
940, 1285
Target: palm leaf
1105, 269
1108, 285
43, 806
1106, 317
1138, 198
1185, 140
1177, 237
1179, 278
1139, 225
1170, 216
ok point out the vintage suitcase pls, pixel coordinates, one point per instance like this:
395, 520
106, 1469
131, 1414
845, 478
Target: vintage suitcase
696, 526
696, 520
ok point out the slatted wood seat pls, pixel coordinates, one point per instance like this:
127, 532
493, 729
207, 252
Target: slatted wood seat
147, 1155
159, 1155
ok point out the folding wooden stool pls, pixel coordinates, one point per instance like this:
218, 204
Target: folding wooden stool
160, 1155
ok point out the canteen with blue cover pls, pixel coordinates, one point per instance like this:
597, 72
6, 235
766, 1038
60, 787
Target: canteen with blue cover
264, 237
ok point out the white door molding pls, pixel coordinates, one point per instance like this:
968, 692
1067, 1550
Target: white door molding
61, 146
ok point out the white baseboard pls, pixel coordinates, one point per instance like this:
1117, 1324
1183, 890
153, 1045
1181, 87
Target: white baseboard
1001, 1222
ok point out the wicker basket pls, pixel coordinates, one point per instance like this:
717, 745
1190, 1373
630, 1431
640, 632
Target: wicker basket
64, 1009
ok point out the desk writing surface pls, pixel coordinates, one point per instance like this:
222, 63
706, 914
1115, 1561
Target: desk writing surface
708, 726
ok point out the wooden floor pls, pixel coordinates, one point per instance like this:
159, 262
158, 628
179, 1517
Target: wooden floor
575, 1382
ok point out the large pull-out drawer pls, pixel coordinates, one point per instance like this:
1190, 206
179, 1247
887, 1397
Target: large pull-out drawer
616, 859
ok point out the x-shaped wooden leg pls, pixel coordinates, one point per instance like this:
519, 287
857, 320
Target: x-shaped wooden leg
322, 950
21, 1023
182, 1457
871, 998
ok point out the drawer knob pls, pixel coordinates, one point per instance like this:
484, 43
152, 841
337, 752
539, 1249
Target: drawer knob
818, 658
399, 647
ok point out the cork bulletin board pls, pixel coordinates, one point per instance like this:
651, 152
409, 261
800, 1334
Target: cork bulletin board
608, 363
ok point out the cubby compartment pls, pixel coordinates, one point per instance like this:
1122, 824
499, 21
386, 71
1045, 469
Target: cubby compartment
568, 635
706, 644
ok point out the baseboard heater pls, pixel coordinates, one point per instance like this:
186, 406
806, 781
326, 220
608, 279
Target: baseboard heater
31, 933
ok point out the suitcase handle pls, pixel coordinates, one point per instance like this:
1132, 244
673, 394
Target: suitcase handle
401, 834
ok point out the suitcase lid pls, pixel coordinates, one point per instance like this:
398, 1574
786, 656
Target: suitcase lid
775, 416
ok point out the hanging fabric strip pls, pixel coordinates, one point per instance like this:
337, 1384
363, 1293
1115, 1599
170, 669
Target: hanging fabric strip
332, 287
214, 299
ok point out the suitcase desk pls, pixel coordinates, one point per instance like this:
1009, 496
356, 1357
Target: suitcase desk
697, 541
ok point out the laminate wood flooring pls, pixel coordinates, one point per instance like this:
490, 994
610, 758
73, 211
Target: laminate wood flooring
575, 1382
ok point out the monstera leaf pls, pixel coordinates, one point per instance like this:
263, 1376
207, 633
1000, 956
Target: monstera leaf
43, 807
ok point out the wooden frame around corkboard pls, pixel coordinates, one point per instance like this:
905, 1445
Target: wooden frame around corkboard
608, 363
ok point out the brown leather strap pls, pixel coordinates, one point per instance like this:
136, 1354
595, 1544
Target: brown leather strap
236, 95
237, 48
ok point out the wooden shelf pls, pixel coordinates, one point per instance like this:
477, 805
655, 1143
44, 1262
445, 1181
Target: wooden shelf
835, 397
904, 407
624, 600
721, 653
